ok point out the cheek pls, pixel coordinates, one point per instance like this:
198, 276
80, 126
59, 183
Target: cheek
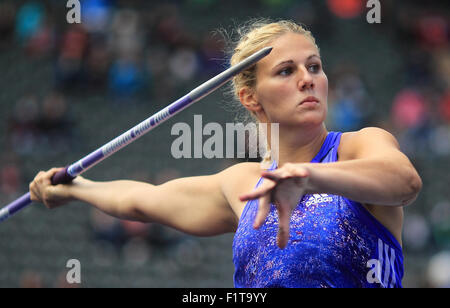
322, 86
273, 93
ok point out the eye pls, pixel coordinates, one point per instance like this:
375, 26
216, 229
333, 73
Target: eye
314, 68
285, 71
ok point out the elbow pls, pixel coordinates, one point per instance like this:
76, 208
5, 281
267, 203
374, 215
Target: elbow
414, 186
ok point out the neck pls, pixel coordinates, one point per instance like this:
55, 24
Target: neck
299, 146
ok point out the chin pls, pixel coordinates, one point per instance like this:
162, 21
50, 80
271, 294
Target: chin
312, 118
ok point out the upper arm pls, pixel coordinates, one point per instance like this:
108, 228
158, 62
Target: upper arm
193, 205
376, 143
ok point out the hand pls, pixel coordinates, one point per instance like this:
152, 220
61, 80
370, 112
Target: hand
42, 190
283, 187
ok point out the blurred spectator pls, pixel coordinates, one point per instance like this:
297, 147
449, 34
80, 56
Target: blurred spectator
416, 232
41, 43
433, 31
97, 65
441, 67
439, 270
55, 126
34, 128
7, 15
125, 79
412, 122
169, 28
277, 3
31, 279
22, 130
10, 179
417, 67
107, 229
162, 84
72, 50
409, 110
440, 219
188, 253
212, 57
440, 140
346, 8
350, 107
136, 252
205, 4
444, 107
183, 64
162, 236
303, 12
10, 174
29, 19
96, 15
134, 229
126, 39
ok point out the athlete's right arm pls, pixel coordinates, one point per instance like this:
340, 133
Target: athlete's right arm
194, 205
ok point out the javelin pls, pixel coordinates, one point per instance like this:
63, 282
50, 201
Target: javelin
69, 173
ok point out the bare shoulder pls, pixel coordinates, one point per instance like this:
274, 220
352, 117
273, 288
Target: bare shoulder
242, 168
366, 138
238, 175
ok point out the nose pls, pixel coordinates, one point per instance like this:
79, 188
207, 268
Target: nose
305, 80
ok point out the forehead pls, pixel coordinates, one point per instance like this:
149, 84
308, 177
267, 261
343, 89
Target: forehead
289, 46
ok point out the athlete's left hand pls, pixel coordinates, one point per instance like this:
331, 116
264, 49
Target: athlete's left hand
284, 187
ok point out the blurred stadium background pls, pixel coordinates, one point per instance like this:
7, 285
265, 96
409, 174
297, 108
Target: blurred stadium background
67, 89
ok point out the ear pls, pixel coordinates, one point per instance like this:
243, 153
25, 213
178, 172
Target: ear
249, 99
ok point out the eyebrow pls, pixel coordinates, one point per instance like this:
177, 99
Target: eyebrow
291, 61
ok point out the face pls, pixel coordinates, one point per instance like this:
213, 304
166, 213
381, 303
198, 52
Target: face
291, 87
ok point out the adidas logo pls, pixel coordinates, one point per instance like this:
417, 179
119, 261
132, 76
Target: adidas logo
318, 198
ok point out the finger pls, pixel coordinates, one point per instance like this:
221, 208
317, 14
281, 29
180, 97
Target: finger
302, 172
48, 198
284, 219
278, 175
55, 170
36, 194
271, 175
263, 211
38, 176
50, 173
258, 192
33, 193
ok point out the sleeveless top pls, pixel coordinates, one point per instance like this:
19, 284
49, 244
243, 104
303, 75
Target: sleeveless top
334, 242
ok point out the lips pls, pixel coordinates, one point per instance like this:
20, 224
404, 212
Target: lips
310, 99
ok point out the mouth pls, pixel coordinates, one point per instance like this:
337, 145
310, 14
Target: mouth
310, 99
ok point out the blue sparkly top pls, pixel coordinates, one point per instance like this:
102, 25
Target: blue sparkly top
334, 242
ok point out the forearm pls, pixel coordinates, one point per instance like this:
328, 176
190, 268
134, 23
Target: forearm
373, 181
111, 197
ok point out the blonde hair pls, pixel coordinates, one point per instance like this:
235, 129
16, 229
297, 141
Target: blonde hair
254, 36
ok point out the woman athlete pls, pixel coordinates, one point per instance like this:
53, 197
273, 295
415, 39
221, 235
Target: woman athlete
328, 212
